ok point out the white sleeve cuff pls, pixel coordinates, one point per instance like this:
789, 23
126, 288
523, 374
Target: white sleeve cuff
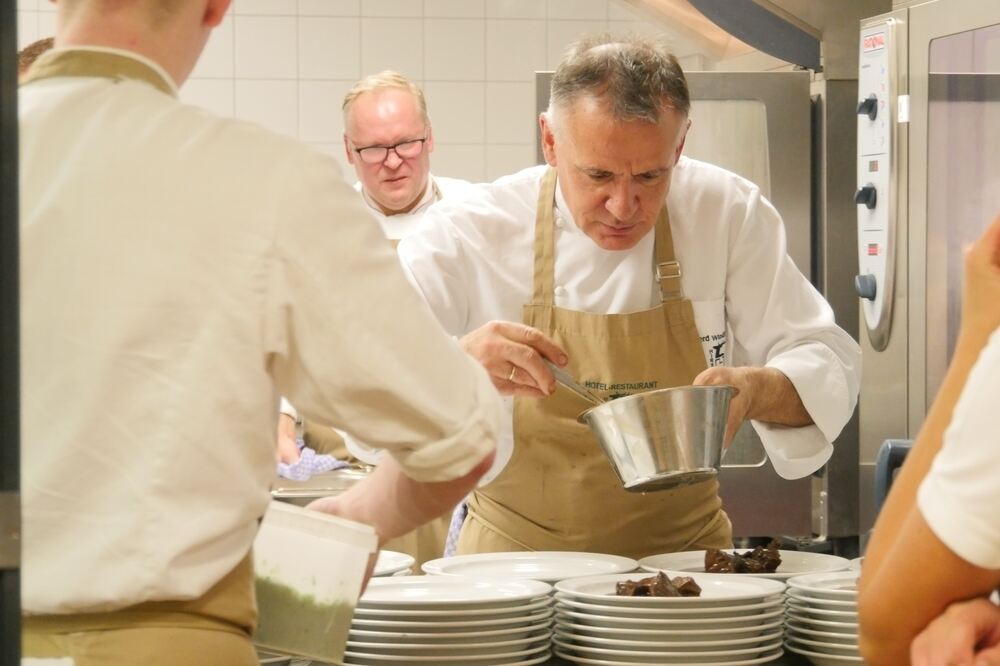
287, 408
794, 452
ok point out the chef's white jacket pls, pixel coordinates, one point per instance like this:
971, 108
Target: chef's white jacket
472, 260
180, 272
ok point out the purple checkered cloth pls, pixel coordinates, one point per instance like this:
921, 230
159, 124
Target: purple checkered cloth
455, 528
308, 464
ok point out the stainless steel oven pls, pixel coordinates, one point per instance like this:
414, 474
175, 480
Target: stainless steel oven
928, 128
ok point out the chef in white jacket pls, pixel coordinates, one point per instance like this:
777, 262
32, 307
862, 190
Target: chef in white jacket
636, 268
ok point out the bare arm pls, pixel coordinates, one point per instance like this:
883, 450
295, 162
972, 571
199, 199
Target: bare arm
901, 594
395, 504
764, 394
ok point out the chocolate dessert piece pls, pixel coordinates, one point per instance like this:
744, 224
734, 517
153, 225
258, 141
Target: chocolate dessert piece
762, 559
659, 586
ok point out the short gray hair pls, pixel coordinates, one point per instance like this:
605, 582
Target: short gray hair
385, 80
637, 76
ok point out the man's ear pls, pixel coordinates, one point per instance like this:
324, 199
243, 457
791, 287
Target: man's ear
680, 146
215, 11
429, 143
548, 138
348, 152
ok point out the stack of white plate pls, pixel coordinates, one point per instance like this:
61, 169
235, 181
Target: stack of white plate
391, 563
451, 620
736, 621
793, 563
548, 566
821, 618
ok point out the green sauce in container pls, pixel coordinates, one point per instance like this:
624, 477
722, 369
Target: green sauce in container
293, 622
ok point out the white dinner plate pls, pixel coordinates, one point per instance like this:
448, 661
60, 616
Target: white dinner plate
842, 585
545, 656
668, 646
421, 592
647, 655
710, 633
820, 659
826, 647
716, 590
360, 656
447, 610
803, 598
855, 564
390, 562
822, 625
548, 566
448, 648
802, 610
797, 626
451, 622
504, 633
793, 563
611, 662
667, 623
693, 612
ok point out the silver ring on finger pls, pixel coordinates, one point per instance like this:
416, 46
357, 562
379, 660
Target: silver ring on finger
513, 370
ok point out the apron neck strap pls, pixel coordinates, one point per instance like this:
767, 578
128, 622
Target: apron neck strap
103, 64
544, 281
666, 267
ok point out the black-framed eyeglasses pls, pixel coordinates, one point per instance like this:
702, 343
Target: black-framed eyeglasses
404, 150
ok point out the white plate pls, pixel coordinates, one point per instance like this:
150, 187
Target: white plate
820, 659
693, 612
667, 623
421, 592
646, 655
426, 637
716, 590
793, 563
545, 657
548, 566
796, 626
446, 649
826, 647
668, 646
362, 657
829, 604
491, 610
451, 622
842, 585
802, 610
711, 633
823, 625
390, 562
855, 564
610, 662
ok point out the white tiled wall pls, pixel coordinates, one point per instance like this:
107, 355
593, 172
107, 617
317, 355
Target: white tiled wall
287, 63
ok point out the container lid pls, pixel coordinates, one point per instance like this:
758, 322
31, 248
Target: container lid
317, 523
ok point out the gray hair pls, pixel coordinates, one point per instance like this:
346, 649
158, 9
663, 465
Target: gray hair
637, 76
385, 80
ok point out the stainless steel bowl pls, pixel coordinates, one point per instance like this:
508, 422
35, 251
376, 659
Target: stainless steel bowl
665, 438
326, 484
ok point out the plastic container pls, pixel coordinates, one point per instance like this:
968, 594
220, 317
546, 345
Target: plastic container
309, 568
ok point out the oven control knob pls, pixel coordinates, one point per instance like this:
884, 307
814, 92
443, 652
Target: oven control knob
866, 195
868, 107
865, 286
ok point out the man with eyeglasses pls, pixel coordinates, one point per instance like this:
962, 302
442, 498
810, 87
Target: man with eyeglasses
389, 141
635, 268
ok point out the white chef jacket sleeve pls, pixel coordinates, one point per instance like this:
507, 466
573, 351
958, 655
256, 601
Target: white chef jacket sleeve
960, 494
778, 319
287, 408
353, 345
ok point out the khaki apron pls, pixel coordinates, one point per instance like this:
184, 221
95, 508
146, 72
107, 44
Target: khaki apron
425, 543
559, 491
216, 627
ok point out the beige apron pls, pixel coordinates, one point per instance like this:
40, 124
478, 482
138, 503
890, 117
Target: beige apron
559, 492
216, 627
427, 541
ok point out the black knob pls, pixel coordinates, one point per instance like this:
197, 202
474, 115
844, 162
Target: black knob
868, 106
866, 195
865, 285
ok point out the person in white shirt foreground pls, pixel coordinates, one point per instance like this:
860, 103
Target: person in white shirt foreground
937, 538
388, 139
561, 262
186, 270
